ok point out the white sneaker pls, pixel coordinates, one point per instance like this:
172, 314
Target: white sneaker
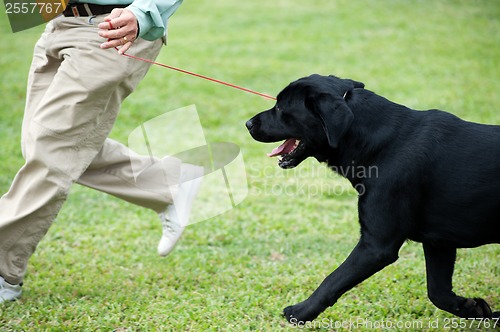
176, 217
9, 292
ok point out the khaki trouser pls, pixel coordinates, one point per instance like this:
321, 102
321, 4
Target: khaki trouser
74, 94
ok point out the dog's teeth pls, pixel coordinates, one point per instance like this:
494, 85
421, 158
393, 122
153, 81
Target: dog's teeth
297, 142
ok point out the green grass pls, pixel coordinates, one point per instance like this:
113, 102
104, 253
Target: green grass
97, 269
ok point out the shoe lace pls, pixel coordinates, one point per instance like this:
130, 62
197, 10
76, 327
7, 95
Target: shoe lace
166, 223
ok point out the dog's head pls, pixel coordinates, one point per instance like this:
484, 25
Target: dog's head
311, 115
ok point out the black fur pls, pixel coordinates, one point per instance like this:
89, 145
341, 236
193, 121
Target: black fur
437, 182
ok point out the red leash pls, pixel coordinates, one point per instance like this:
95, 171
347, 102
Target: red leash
201, 76
194, 74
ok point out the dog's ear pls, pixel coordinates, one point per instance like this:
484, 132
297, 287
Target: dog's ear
336, 117
346, 84
356, 84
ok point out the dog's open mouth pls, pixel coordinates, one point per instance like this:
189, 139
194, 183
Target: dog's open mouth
289, 153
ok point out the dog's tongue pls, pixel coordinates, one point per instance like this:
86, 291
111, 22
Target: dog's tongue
284, 148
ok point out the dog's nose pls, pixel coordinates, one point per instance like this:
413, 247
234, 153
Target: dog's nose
249, 124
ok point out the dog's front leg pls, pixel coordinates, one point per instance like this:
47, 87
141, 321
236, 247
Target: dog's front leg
368, 257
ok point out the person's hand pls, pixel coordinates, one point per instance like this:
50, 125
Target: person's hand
120, 28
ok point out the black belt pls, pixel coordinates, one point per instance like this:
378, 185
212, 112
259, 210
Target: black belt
89, 9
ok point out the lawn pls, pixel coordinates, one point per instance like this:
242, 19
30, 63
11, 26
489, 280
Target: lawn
97, 269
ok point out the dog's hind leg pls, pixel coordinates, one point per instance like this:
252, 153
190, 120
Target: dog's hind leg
440, 262
368, 257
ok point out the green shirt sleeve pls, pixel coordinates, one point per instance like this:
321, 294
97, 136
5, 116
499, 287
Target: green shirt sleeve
153, 15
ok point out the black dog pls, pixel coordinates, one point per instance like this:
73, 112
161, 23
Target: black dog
437, 181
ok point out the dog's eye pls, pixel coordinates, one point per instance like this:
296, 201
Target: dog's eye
277, 108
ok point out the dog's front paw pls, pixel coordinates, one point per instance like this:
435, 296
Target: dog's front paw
475, 308
300, 313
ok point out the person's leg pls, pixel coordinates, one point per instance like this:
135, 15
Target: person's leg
15, 203
140, 180
66, 126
